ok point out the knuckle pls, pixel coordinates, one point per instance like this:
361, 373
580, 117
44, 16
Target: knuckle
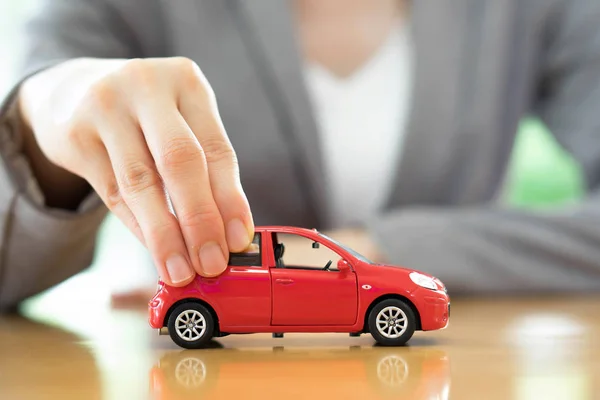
180, 152
74, 140
101, 96
191, 75
139, 71
202, 215
134, 67
77, 133
136, 177
218, 150
112, 195
186, 65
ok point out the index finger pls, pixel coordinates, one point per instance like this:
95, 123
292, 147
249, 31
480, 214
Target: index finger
202, 115
182, 164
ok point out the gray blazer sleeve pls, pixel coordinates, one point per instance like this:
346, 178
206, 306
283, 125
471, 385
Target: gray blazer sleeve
494, 249
40, 247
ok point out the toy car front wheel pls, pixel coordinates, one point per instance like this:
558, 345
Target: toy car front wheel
191, 325
392, 322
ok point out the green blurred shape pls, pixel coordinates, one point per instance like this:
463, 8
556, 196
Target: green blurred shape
541, 173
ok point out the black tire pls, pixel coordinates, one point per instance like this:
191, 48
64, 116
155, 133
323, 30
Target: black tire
195, 312
400, 333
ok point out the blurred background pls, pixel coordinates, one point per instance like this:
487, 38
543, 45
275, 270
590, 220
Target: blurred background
541, 174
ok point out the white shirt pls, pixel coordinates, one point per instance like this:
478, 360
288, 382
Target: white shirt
362, 120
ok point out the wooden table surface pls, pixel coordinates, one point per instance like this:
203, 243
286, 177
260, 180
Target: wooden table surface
493, 349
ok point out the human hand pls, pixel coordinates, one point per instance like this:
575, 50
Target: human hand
146, 134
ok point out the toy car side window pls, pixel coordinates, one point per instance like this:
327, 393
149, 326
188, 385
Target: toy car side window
297, 252
252, 256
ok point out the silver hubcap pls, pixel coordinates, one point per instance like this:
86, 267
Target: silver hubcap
392, 370
392, 322
190, 372
190, 325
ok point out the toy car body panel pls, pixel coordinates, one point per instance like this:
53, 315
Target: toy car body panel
263, 291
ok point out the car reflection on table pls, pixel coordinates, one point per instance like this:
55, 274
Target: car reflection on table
349, 373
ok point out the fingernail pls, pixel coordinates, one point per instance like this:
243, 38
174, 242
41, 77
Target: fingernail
238, 238
212, 259
178, 269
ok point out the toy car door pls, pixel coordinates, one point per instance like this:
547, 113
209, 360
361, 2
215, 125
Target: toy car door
243, 291
307, 287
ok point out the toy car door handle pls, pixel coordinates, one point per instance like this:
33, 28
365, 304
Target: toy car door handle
284, 281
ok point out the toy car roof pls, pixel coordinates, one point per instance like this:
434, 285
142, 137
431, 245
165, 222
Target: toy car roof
283, 228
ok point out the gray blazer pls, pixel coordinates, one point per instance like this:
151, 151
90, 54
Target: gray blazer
481, 66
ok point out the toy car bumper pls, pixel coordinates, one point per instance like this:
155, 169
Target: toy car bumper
155, 313
434, 310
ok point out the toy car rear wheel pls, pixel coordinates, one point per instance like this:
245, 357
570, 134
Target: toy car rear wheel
392, 322
191, 325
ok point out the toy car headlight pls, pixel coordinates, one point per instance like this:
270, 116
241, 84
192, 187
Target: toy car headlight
423, 281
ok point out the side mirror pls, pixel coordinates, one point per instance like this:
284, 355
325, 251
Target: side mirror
315, 245
343, 265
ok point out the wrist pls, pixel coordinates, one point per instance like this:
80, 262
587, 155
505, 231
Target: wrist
61, 188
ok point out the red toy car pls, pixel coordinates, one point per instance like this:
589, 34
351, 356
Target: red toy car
265, 290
